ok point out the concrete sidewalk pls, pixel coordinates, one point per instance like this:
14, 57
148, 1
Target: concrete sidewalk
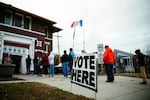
124, 88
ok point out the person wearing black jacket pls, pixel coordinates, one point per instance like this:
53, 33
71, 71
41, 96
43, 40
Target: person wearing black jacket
36, 65
28, 64
141, 62
65, 60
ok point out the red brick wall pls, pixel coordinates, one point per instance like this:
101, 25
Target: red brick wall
16, 44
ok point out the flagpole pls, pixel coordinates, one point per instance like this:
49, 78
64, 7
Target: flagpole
83, 39
83, 35
74, 36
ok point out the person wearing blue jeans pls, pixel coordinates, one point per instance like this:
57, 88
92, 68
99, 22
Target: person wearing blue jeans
65, 60
109, 72
36, 66
51, 64
51, 70
65, 68
108, 59
71, 57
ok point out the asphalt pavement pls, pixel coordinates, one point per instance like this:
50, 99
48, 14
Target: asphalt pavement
123, 88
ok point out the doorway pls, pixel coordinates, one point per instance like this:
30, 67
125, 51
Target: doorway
17, 61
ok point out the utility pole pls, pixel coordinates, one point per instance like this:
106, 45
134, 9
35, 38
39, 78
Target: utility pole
58, 42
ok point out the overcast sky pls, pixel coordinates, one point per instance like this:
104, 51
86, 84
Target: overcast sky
121, 24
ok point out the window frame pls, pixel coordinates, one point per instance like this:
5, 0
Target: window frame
30, 19
22, 19
46, 49
11, 17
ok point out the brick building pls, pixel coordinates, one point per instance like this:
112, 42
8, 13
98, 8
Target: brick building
23, 33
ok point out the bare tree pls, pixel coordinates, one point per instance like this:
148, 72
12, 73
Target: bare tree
147, 50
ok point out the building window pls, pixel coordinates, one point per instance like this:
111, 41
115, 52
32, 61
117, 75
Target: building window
46, 31
8, 18
27, 23
17, 20
46, 48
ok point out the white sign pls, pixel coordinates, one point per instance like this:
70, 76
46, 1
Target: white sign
84, 71
100, 58
100, 47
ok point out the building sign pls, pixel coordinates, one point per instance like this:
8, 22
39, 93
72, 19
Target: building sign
100, 55
84, 71
15, 50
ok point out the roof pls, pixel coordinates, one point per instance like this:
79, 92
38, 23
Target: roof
123, 52
56, 29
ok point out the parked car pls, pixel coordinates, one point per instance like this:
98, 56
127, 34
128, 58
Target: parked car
58, 69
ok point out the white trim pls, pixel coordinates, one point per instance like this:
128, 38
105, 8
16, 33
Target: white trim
38, 43
48, 38
48, 43
38, 50
12, 37
17, 35
46, 47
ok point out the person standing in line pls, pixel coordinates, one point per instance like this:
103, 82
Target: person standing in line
45, 64
39, 64
71, 56
51, 63
28, 64
108, 59
36, 65
141, 61
65, 60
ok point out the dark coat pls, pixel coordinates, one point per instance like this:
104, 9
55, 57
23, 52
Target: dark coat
28, 60
141, 59
65, 58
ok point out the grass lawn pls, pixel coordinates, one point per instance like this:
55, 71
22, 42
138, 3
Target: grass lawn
9, 79
35, 91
